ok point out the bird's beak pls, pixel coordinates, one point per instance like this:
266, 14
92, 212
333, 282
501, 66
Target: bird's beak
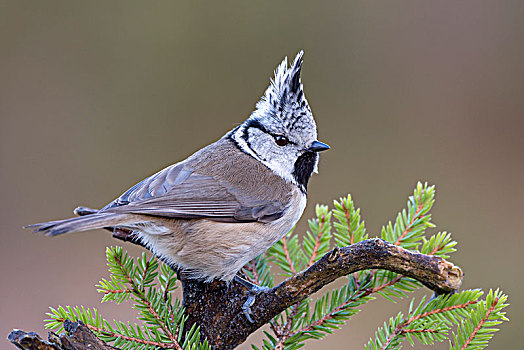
318, 146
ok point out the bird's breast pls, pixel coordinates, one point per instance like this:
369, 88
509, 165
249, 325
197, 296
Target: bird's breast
221, 249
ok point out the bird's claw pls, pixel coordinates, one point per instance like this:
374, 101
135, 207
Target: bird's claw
252, 291
246, 308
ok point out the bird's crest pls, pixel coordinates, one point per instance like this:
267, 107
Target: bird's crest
285, 91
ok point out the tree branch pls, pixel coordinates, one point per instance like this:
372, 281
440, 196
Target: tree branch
78, 337
217, 307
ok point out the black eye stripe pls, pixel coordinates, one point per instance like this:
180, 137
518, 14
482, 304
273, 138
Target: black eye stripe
254, 123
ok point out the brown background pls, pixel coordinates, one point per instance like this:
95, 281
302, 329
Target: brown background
96, 95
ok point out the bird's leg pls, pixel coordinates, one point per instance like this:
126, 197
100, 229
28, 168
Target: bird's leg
252, 291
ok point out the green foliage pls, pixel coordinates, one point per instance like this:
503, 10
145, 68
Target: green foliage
317, 239
477, 328
429, 322
150, 290
287, 254
349, 227
464, 318
412, 222
440, 244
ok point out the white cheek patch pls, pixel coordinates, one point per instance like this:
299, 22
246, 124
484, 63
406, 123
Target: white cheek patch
282, 169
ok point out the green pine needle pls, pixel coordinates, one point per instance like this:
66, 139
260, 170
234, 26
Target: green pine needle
412, 222
149, 285
432, 321
349, 228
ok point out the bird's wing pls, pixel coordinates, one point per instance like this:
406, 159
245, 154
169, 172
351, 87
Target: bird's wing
180, 192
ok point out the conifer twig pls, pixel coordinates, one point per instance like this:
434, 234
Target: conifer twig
139, 294
288, 257
348, 218
400, 329
321, 222
481, 323
411, 223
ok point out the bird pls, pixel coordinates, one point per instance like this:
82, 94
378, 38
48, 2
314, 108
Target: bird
230, 201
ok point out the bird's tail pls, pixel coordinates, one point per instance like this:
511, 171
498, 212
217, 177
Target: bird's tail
83, 223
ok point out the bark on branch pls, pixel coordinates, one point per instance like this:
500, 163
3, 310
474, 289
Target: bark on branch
78, 337
217, 307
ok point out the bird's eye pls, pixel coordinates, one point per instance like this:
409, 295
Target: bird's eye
281, 140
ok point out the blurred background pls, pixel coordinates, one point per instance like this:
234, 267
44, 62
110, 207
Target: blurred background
95, 96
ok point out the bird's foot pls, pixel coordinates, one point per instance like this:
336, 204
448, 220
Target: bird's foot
252, 291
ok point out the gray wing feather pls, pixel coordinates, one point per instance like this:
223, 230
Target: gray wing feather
180, 192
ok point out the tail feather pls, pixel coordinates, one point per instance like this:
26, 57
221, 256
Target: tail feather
83, 223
